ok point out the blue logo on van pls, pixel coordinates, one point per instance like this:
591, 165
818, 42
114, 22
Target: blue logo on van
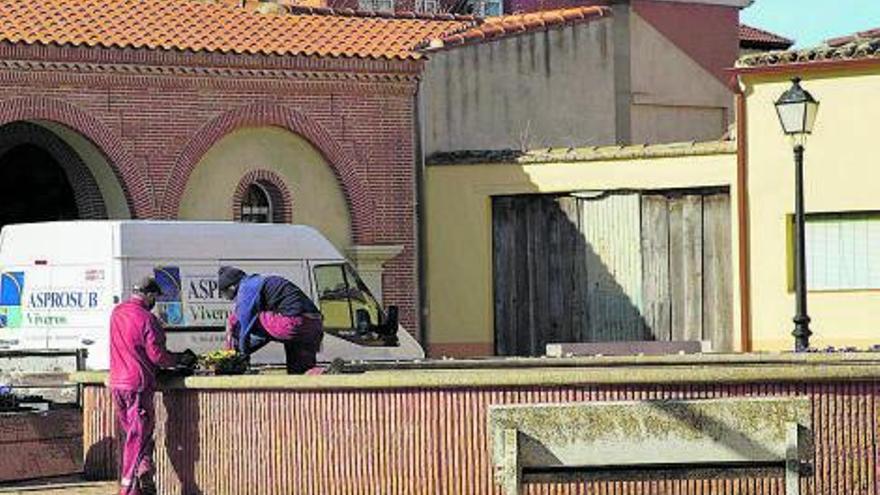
11, 290
170, 302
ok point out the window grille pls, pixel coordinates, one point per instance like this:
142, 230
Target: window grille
256, 207
842, 251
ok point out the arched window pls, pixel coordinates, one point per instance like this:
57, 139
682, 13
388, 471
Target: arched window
256, 206
262, 197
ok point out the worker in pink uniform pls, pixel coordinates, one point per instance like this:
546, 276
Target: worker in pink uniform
271, 308
137, 352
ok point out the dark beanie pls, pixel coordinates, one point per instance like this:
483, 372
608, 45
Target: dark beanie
147, 285
227, 276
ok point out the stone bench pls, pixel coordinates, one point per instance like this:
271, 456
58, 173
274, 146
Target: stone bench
649, 435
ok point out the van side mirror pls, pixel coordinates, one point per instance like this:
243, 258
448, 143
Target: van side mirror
389, 326
362, 321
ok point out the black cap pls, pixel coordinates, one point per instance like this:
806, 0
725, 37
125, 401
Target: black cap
227, 276
147, 285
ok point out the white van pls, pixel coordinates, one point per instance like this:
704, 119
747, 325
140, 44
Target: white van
60, 280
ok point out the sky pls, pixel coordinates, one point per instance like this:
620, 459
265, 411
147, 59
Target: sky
810, 22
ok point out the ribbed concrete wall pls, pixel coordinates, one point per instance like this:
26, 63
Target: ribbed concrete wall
100, 440
434, 441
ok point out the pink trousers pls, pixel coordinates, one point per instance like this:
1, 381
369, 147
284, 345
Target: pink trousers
301, 336
135, 414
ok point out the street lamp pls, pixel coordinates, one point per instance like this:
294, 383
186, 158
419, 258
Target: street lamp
797, 110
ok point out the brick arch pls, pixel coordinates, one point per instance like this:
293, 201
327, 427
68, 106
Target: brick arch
86, 194
279, 195
341, 162
129, 173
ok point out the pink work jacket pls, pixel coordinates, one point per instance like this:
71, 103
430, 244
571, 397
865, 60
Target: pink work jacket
137, 347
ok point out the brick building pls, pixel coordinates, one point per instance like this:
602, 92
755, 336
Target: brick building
176, 109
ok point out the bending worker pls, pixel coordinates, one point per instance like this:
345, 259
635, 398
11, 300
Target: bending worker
271, 308
137, 352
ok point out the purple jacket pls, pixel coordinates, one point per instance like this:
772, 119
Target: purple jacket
137, 347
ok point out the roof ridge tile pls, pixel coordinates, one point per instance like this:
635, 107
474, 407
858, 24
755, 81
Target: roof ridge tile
330, 11
858, 46
501, 26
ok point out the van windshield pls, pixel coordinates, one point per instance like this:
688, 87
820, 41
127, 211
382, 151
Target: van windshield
341, 293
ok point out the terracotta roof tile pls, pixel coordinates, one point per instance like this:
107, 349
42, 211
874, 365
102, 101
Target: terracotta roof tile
853, 38
752, 37
503, 26
327, 11
859, 46
196, 26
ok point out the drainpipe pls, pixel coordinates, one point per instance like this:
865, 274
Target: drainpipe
421, 231
742, 185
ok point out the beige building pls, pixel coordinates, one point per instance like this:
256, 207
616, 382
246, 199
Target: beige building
571, 244
841, 199
491, 215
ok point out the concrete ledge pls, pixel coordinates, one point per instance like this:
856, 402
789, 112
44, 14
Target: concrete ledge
99, 488
629, 370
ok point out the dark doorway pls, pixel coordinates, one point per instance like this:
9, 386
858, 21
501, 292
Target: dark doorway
34, 187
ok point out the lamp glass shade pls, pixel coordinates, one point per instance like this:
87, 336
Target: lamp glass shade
810, 117
797, 110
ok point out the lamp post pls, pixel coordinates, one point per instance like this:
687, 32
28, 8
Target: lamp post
797, 110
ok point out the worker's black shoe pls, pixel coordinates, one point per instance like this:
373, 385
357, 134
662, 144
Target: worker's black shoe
146, 486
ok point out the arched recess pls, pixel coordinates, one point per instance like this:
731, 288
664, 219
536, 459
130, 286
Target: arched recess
306, 189
111, 189
127, 170
87, 196
265, 115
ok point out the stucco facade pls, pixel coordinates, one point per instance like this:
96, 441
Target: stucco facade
459, 221
315, 196
840, 176
838, 181
648, 72
678, 93
495, 95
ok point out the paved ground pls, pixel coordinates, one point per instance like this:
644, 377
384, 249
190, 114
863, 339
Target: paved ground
98, 488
